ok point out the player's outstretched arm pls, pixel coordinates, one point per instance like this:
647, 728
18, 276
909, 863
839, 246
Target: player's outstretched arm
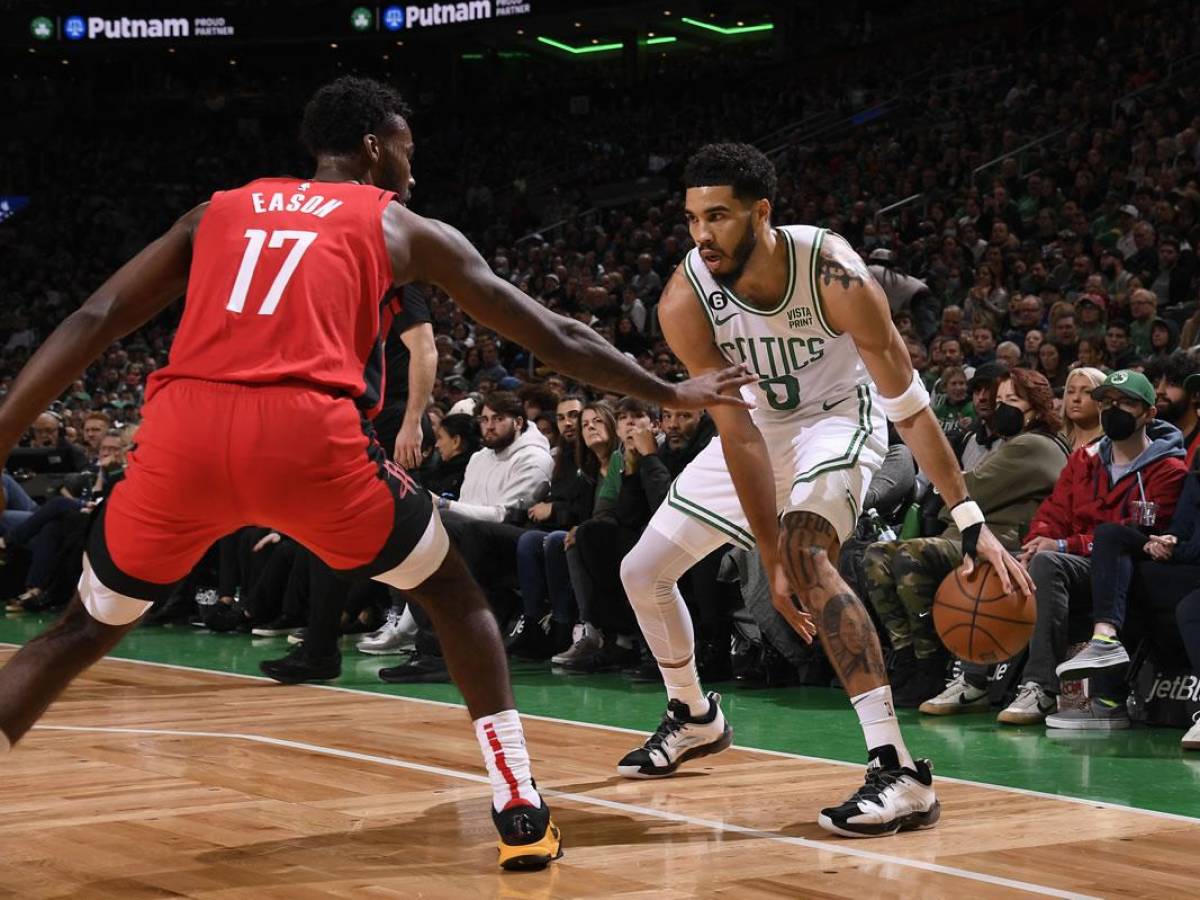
139, 290
690, 336
428, 250
855, 303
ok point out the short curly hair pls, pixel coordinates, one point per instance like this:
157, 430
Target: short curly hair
341, 112
742, 166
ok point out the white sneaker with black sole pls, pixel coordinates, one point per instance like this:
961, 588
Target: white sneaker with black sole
1191, 740
893, 798
679, 737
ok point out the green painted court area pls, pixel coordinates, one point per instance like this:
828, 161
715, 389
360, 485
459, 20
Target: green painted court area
1142, 767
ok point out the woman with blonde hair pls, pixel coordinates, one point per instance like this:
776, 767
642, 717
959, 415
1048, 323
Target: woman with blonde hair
1081, 415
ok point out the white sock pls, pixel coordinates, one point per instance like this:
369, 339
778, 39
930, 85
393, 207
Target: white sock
407, 625
877, 716
502, 741
683, 683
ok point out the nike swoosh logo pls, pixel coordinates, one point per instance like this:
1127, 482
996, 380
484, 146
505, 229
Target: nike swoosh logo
724, 320
827, 406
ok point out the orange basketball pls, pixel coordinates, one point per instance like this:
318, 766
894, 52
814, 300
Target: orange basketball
977, 621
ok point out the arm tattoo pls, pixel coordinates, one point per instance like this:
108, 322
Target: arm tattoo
842, 266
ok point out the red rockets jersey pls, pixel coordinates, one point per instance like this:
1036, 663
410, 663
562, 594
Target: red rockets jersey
289, 283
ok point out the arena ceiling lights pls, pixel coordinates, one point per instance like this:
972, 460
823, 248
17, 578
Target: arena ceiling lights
727, 31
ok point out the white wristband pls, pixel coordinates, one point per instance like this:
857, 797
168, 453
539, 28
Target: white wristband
914, 399
966, 514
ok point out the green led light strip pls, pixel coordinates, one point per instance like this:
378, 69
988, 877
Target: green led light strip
590, 48
739, 29
650, 42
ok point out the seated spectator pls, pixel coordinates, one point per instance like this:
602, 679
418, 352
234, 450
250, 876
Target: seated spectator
1117, 549
502, 481
18, 505
46, 433
1091, 309
1080, 414
1164, 335
983, 345
954, 410
1138, 459
541, 557
1010, 354
902, 577
95, 426
1034, 339
457, 439
980, 437
1091, 354
1143, 307
1174, 402
1050, 363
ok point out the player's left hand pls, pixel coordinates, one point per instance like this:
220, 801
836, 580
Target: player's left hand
785, 604
988, 549
407, 451
721, 388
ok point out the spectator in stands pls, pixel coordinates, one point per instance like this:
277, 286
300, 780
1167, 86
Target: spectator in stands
902, 577
606, 640
95, 426
46, 433
1173, 282
457, 441
1050, 363
1081, 415
1138, 459
1143, 306
502, 481
1116, 550
541, 557
954, 412
1009, 354
983, 345
980, 437
1174, 403
1091, 309
1163, 338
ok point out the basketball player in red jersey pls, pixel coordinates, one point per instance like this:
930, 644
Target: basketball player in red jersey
278, 358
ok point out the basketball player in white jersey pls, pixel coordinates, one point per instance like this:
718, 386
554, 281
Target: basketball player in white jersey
797, 306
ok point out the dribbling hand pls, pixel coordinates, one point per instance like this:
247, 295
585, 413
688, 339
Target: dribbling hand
988, 549
720, 388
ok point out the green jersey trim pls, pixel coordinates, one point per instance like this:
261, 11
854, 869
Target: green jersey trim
787, 294
849, 459
733, 531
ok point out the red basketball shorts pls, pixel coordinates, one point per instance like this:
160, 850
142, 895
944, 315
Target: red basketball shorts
211, 458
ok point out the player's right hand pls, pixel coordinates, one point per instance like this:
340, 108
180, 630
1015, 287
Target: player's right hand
785, 604
720, 388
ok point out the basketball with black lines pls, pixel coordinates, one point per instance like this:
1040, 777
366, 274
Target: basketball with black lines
978, 621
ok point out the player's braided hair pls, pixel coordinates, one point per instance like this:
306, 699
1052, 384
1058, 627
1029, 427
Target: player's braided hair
341, 112
742, 166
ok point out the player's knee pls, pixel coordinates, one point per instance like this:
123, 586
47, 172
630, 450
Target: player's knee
637, 578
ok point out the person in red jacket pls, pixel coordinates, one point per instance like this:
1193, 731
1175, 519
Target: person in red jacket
1138, 461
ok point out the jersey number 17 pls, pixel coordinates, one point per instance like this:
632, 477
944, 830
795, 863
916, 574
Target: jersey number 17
274, 241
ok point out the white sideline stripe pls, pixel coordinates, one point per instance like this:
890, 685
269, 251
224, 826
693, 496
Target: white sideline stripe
646, 811
783, 754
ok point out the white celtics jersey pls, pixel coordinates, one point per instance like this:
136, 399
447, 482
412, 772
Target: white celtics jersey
801, 361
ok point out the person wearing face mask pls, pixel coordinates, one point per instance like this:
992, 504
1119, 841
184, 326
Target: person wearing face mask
1139, 460
902, 577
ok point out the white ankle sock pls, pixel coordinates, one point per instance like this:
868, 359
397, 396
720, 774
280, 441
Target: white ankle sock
683, 683
502, 741
407, 624
877, 716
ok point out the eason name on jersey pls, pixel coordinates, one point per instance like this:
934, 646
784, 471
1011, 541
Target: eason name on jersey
1181, 687
316, 205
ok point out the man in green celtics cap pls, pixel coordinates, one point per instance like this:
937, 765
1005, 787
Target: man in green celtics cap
1113, 494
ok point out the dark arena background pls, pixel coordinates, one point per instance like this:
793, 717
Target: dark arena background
1022, 179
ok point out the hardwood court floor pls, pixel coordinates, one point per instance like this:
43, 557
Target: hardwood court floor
159, 782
